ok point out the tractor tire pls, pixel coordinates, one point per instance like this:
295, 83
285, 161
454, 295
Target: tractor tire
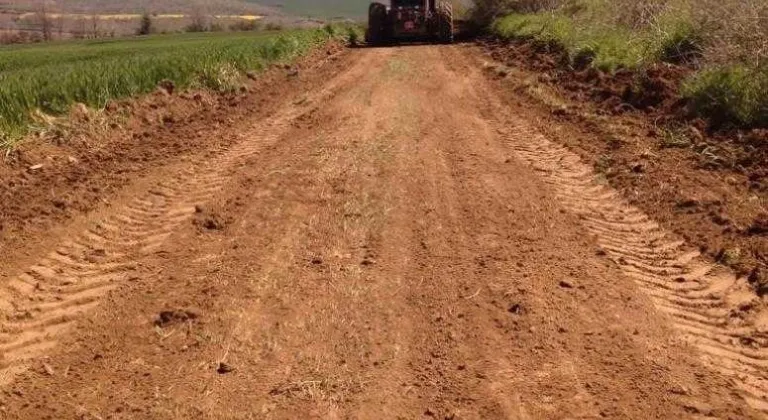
445, 22
377, 24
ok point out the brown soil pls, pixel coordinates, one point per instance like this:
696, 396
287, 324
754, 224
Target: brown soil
82, 163
392, 242
707, 186
652, 93
653, 90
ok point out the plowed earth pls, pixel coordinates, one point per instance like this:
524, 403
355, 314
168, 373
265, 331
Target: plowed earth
390, 240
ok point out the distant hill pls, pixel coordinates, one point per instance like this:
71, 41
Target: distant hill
20, 20
327, 8
319, 8
229, 7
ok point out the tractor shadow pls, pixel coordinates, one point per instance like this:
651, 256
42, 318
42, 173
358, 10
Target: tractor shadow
465, 33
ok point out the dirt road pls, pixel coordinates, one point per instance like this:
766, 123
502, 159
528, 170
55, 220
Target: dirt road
392, 243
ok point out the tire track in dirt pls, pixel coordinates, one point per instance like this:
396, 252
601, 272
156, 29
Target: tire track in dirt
343, 234
708, 304
43, 301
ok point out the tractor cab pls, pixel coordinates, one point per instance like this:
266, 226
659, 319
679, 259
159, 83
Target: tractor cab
410, 20
410, 17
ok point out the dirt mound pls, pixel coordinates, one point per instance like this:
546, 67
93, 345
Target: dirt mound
654, 90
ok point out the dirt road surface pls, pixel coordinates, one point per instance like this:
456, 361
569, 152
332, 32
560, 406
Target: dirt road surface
392, 243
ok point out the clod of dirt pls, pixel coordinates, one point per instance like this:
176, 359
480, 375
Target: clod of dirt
224, 368
167, 86
208, 220
759, 280
79, 112
689, 203
368, 259
566, 284
720, 218
680, 390
94, 255
59, 203
213, 223
516, 309
166, 318
252, 75
759, 225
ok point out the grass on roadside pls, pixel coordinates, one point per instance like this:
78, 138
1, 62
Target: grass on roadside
51, 77
607, 47
734, 94
731, 79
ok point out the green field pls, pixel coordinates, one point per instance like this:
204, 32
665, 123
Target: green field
51, 77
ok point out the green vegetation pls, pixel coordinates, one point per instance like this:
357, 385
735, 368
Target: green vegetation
51, 77
723, 39
607, 47
730, 94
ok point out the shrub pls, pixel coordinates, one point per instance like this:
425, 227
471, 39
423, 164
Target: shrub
145, 25
244, 25
733, 94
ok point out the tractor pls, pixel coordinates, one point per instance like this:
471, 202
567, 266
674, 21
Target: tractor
410, 20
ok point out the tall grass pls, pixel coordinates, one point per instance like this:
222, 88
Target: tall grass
606, 48
608, 44
730, 95
725, 40
52, 77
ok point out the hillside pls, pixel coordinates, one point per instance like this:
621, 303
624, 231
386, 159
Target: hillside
327, 8
315, 8
323, 8
137, 6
